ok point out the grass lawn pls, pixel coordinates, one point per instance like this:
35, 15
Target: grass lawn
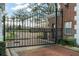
9, 35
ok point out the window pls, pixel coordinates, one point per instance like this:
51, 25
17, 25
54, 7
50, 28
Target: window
68, 28
68, 24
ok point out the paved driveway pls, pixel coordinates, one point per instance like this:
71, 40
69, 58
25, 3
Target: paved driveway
53, 50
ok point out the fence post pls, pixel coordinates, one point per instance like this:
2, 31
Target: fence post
62, 23
56, 23
2, 43
3, 27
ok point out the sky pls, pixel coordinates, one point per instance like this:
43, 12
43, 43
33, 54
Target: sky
10, 7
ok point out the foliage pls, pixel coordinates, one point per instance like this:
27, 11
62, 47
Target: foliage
38, 10
2, 48
10, 35
2, 6
45, 8
65, 41
41, 35
21, 14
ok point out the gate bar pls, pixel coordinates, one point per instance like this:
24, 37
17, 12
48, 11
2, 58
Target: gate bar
3, 27
56, 23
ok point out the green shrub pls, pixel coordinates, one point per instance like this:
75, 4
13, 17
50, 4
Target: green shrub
61, 41
2, 48
70, 42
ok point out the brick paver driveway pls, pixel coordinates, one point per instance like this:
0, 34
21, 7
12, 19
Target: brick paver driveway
53, 50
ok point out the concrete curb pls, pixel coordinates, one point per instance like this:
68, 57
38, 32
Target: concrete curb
8, 52
13, 51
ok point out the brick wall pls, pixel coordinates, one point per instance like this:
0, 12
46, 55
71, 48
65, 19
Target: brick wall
68, 16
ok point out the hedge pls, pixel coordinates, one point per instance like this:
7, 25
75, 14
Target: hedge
70, 42
2, 49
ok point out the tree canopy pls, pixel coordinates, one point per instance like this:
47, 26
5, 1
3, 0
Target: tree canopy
2, 6
37, 10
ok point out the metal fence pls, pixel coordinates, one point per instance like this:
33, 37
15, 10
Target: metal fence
32, 31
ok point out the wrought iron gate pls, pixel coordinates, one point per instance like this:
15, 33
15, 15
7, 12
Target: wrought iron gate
36, 30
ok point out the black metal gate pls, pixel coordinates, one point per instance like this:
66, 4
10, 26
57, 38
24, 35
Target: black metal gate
35, 30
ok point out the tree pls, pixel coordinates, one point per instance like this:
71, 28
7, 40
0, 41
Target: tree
38, 11
41, 10
21, 14
2, 7
45, 8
